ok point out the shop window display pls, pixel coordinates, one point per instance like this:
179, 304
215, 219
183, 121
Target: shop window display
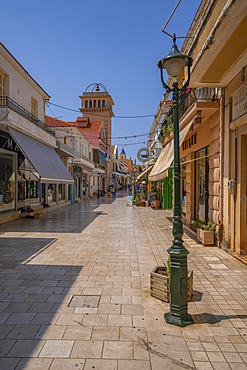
201, 185
7, 181
51, 193
61, 192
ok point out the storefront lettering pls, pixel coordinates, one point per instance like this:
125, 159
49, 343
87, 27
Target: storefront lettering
188, 143
239, 99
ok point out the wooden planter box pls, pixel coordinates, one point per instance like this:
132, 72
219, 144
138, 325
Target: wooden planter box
159, 284
205, 237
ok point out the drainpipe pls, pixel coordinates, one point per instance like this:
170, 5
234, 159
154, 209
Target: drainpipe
222, 103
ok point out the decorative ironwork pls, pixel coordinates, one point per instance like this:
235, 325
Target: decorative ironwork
5, 101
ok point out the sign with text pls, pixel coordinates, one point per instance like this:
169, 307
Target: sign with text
239, 103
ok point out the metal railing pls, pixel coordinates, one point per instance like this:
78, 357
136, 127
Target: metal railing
186, 101
5, 101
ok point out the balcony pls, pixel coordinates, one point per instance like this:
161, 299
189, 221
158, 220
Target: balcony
5, 101
186, 100
65, 149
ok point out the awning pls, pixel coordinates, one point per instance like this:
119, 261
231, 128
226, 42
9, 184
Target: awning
43, 158
166, 156
102, 158
144, 173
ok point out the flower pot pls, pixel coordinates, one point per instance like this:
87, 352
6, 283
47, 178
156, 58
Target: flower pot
157, 203
205, 237
204, 94
159, 283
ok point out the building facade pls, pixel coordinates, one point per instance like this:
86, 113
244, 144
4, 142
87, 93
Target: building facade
31, 172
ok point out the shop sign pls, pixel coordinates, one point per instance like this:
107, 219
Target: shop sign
239, 103
77, 174
188, 143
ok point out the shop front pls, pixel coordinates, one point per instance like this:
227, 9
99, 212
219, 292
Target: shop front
200, 165
31, 173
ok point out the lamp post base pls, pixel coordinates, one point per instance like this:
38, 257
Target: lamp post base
170, 319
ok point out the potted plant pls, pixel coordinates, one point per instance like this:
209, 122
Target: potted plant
137, 202
205, 231
159, 282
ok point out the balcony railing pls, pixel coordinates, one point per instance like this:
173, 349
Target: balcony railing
5, 101
186, 101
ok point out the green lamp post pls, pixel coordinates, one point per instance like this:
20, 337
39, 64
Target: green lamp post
174, 64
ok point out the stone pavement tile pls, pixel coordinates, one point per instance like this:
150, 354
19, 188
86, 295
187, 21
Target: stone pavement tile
117, 350
78, 333
3, 306
121, 299
87, 349
132, 309
243, 356
119, 320
34, 364
211, 347
199, 356
105, 333
20, 318
194, 345
233, 357
50, 332
238, 366
8, 363
57, 348
35, 297
141, 351
109, 309
236, 339
18, 307
67, 363
204, 366
94, 320
216, 357
57, 298
23, 332
4, 316
139, 321
41, 307
100, 364
133, 365
69, 319
26, 348
45, 319
92, 291
241, 347
136, 334
171, 362
4, 330
227, 347
5, 346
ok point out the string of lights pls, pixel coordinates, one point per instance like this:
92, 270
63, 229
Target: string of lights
48, 103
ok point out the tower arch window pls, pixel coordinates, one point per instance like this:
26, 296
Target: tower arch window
90, 103
99, 104
103, 103
86, 104
94, 104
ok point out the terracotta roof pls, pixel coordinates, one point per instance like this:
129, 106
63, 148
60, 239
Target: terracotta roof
93, 126
54, 122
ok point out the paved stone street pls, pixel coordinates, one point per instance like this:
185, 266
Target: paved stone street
75, 294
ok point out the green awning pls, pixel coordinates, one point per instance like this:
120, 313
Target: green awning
144, 172
102, 158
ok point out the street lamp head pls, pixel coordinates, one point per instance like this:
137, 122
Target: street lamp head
175, 61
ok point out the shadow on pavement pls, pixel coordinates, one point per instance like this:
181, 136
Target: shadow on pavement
30, 296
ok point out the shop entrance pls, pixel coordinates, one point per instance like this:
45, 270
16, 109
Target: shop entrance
201, 184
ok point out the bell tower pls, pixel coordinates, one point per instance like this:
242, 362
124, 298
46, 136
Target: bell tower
96, 104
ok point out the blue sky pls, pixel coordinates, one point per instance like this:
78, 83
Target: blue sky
67, 45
